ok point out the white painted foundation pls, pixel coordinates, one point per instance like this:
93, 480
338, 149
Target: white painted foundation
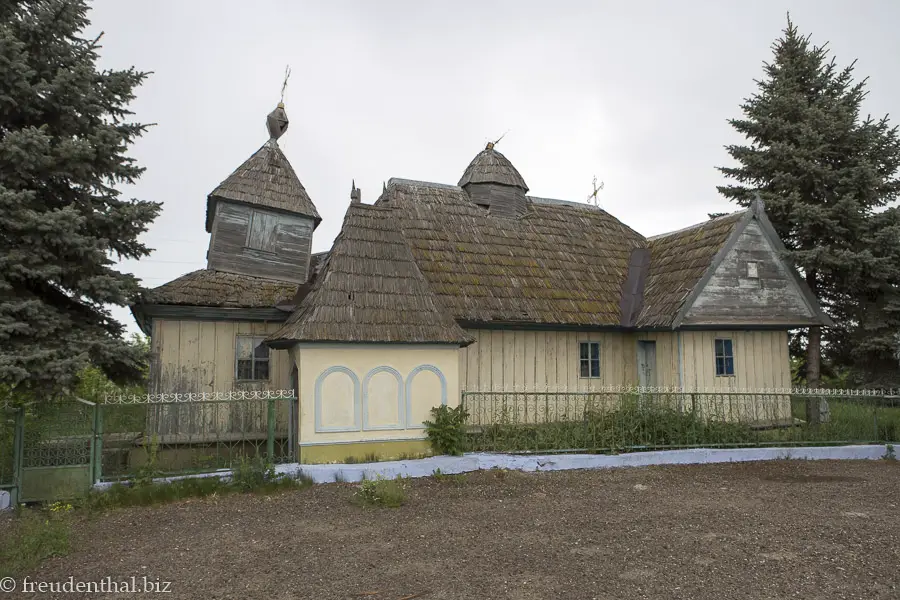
449, 465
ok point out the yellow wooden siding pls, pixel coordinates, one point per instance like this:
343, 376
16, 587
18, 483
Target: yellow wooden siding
761, 360
509, 360
198, 356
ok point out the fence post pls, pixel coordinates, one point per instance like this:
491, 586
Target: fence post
97, 473
270, 437
18, 458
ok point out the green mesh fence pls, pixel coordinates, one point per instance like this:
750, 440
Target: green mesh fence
160, 435
636, 419
9, 420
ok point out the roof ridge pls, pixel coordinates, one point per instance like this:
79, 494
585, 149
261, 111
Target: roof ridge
696, 225
558, 202
418, 182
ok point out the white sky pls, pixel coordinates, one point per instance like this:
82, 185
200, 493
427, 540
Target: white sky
637, 93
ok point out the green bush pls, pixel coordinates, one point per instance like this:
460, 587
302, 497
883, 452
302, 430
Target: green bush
632, 426
381, 492
446, 432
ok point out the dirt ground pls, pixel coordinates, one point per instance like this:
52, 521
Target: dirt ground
783, 529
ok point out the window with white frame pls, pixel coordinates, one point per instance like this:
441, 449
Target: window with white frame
251, 358
589, 359
724, 357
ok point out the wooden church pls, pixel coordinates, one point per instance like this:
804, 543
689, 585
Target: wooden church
436, 289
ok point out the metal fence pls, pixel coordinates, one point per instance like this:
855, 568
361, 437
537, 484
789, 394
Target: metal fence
10, 441
633, 419
169, 434
58, 449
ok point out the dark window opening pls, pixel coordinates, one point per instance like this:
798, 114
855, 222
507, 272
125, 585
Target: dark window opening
589, 359
724, 357
251, 357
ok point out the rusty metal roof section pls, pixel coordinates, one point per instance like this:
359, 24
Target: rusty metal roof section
370, 290
489, 166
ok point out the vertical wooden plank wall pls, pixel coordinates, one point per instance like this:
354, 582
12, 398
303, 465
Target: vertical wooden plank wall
511, 360
198, 356
761, 360
520, 360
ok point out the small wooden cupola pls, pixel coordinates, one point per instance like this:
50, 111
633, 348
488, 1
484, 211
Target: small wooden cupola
261, 218
493, 183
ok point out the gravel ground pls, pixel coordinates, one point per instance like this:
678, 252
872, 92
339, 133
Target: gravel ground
782, 529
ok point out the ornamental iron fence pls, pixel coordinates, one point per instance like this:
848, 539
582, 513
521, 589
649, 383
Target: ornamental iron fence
174, 434
634, 419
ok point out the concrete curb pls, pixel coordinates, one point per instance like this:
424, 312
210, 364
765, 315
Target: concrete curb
559, 462
450, 465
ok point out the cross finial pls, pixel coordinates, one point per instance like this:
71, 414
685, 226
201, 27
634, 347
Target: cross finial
287, 75
592, 198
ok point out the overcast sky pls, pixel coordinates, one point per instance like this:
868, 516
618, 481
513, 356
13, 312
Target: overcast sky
636, 93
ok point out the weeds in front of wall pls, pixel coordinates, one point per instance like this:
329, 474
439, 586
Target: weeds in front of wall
32, 536
339, 477
149, 471
413, 455
447, 430
456, 479
250, 475
381, 492
889, 452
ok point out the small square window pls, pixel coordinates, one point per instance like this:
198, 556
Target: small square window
589, 359
752, 270
724, 357
251, 359
262, 232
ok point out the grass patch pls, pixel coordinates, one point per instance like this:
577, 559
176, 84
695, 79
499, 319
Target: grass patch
369, 457
458, 479
250, 476
32, 536
381, 492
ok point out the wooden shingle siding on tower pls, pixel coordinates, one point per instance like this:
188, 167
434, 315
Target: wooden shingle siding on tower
260, 242
268, 180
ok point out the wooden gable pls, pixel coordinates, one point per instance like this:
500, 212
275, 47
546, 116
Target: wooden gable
750, 283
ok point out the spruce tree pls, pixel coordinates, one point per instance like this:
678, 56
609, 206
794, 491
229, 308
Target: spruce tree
826, 175
64, 133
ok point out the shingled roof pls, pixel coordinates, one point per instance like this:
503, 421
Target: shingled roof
217, 288
370, 290
678, 261
560, 263
265, 179
489, 166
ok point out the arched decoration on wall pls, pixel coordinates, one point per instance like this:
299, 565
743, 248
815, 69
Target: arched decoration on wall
365, 399
409, 381
357, 404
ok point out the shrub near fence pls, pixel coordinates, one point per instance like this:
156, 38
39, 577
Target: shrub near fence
621, 420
